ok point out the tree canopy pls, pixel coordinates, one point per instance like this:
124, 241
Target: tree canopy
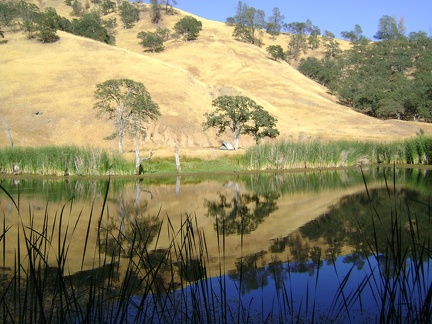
276, 52
44, 25
188, 27
275, 22
129, 104
385, 79
390, 29
151, 40
155, 11
247, 21
169, 5
91, 25
242, 116
128, 14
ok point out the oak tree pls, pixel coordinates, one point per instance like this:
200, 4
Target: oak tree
129, 104
129, 14
275, 22
390, 29
151, 40
276, 52
188, 27
249, 24
241, 115
155, 11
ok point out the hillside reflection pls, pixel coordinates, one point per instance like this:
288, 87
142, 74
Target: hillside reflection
306, 218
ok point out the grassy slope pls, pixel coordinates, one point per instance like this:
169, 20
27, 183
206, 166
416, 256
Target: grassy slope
57, 82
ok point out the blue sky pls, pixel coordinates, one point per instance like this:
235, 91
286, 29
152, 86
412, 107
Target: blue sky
332, 15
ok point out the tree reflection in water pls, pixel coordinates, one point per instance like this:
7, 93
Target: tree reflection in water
364, 224
249, 274
243, 213
130, 231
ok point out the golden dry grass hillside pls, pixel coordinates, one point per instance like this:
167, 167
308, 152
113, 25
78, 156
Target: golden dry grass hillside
46, 90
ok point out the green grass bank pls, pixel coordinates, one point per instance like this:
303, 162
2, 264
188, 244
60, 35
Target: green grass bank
71, 160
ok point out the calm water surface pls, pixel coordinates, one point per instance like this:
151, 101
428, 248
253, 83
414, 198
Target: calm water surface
274, 243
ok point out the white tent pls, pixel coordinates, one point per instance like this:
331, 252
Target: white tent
226, 146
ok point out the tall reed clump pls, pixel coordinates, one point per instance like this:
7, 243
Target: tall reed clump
67, 160
399, 271
316, 154
418, 150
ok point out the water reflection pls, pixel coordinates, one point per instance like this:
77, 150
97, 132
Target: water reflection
368, 222
250, 275
128, 231
242, 214
257, 231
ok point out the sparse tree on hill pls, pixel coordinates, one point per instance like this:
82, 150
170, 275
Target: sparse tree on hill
275, 22
128, 14
92, 26
331, 44
298, 39
129, 104
314, 32
169, 5
110, 24
77, 9
276, 52
155, 11
390, 29
8, 13
230, 21
248, 21
313, 40
353, 35
241, 115
188, 27
107, 6
47, 24
165, 33
151, 40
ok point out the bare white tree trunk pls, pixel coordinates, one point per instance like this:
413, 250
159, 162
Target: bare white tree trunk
177, 159
139, 160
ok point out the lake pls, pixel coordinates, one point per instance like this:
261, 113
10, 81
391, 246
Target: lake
316, 246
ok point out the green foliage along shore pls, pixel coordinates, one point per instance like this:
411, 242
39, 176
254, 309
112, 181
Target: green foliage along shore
314, 154
283, 155
67, 160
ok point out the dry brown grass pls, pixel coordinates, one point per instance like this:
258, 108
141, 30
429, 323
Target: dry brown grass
46, 93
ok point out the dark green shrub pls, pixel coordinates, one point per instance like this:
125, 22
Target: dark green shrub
188, 27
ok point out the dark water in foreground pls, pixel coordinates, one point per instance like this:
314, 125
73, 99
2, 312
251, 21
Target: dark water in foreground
318, 246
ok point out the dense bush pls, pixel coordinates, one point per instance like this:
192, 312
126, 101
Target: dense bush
91, 26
